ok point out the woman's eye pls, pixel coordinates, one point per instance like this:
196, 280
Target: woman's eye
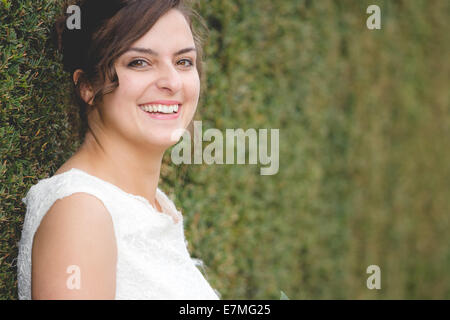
138, 63
190, 63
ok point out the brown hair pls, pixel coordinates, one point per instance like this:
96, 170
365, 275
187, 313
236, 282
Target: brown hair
108, 29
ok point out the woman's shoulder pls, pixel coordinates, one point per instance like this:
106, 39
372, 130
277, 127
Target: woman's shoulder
66, 234
59, 209
52, 186
76, 161
67, 180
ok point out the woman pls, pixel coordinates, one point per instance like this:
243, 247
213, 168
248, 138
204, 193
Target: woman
100, 228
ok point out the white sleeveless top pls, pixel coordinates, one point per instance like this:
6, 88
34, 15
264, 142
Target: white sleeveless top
152, 257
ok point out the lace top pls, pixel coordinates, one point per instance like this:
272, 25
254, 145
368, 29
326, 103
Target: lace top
152, 257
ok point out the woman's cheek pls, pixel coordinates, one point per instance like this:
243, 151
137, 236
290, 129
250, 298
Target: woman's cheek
193, 88
131, 85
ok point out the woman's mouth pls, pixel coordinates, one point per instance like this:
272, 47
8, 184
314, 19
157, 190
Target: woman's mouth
161, 112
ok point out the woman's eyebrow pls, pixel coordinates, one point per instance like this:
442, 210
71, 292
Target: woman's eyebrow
154, 53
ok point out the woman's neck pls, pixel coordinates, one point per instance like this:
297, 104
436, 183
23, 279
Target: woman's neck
135, 170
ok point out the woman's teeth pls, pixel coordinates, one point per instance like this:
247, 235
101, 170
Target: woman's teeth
154, 108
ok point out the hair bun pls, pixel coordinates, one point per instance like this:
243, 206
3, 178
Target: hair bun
71, 41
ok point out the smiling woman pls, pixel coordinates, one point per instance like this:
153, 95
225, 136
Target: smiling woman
136, 69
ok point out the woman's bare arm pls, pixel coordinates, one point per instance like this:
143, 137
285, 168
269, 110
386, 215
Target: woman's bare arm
74, 251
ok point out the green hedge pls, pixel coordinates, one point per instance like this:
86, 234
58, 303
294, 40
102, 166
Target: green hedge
364, 160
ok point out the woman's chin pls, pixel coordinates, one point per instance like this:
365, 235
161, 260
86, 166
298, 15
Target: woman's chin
163, 142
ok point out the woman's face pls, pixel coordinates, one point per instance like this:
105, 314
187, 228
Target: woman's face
158, 69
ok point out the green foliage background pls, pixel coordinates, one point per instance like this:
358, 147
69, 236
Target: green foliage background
364, 145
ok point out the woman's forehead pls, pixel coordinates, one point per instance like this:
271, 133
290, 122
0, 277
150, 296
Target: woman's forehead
171, 29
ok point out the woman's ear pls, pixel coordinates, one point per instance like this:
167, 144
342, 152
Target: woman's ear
86, 91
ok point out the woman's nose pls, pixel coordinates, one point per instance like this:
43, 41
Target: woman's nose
169, 79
